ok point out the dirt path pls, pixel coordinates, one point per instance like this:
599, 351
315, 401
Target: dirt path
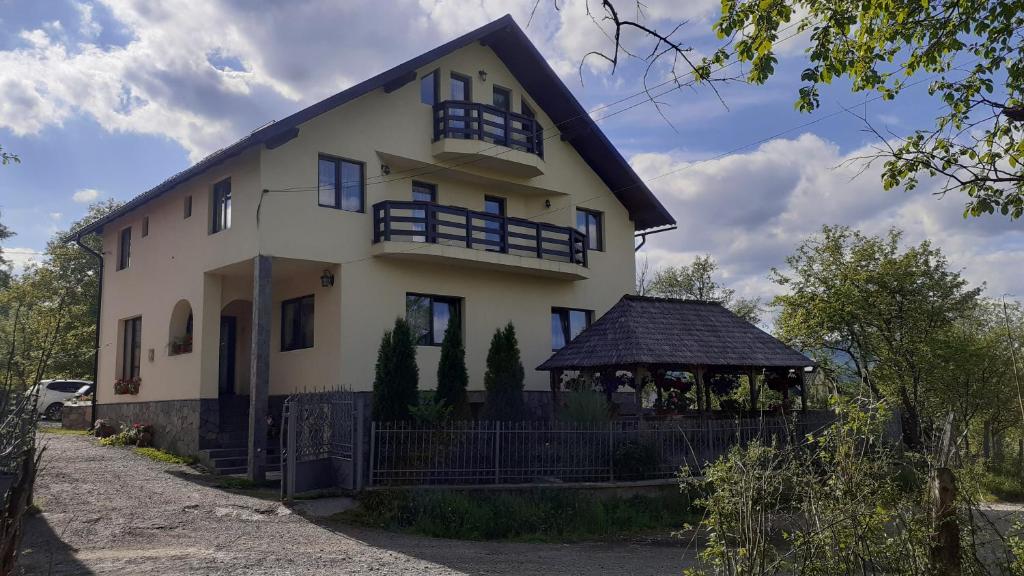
109, 511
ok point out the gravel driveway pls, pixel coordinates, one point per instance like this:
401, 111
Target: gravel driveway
109, 511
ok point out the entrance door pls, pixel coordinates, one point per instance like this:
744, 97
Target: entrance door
228, 338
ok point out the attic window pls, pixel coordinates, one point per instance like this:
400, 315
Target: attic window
429, 88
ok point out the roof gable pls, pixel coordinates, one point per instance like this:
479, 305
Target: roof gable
670, 332
524, 61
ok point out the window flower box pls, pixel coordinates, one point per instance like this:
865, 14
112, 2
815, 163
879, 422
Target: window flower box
127, 385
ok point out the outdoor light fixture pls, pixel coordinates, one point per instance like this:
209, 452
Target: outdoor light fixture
483, 75
327, 279
385, 169
547, 203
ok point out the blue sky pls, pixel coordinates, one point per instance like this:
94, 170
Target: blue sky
106, 98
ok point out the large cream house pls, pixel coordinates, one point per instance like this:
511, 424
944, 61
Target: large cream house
466, 183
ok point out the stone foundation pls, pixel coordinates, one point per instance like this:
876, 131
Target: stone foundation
176, 423
76, 416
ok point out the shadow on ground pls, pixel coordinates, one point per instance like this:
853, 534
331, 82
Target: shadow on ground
43, 551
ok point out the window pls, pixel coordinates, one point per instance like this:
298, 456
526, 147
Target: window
422, 192
145, 226
188, 206
458, 121
590, 223
124, 252
566, 324
297, 323
429, 88
131, 353
428, 317
526, 110
502, 98
221, 213
65, 387
494, 205
460, 87
341, 184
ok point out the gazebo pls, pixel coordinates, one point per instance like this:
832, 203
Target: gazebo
657, 339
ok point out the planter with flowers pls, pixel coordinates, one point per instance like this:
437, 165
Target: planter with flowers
181, 345
127, 385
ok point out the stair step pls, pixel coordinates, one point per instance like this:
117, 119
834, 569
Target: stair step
244, 469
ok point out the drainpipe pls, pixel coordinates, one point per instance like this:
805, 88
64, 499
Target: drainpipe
643, 235
96, 338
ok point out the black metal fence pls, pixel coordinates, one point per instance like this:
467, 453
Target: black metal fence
531, 452
416, 221
321, 442
17, 469
478, 121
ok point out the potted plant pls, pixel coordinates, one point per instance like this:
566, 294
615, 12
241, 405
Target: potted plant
127, 385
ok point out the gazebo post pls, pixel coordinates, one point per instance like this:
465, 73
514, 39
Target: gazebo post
639, 377
702, 395
556, 386
752, 379
803, 389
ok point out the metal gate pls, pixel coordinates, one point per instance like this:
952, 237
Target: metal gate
320, 446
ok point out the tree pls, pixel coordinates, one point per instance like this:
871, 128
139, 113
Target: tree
969, 52
452, 377
882, 306
696, 282
48, 312
5, 265
504, 379
8, 158
396, 375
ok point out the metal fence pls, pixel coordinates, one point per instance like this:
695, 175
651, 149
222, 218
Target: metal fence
528, 452
18, 459
320, 441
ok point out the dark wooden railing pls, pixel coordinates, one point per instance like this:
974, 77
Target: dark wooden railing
476, 121
412, 221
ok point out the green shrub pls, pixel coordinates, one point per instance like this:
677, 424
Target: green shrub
504, 379
541, 514
635, 460
396, 375
452, 377
430, 413
585, 407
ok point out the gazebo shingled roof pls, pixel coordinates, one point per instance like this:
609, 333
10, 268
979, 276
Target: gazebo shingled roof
666, 332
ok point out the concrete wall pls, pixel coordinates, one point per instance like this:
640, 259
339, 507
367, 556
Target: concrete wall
181, 260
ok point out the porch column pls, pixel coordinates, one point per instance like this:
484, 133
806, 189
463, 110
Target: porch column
752, 377
259, 364
804, 383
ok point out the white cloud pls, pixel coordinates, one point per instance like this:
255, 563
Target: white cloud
21, 258
85, 195
87, 26
751, 210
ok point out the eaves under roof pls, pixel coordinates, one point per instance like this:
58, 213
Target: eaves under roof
525, 62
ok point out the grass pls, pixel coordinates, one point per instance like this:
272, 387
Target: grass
166, 457
233, 483
539, 515
1003, 485
63, 431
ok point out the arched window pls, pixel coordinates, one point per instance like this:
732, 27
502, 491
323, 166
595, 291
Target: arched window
180, 333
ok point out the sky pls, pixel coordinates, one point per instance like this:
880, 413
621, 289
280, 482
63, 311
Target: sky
107, 98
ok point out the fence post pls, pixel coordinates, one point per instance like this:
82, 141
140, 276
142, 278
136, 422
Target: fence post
497, 453
373, 442
611, 451
357, 444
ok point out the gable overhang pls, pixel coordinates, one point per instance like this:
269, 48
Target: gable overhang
511, 45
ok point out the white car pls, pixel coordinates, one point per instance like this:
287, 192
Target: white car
51, 395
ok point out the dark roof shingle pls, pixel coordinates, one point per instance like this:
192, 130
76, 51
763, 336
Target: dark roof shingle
670, 332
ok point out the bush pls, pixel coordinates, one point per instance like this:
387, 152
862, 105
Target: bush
635, 461
396, 375
504, 379
543, 514
452, 377
587, 407
165, 457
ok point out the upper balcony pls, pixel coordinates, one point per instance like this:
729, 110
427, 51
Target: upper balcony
468, 237
489, 137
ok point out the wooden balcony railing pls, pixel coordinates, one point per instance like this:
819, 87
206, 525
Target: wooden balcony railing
476, 121
413, 221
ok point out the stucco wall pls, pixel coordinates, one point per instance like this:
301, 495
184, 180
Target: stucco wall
180, 259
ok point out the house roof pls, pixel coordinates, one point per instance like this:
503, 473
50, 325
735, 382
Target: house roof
641, 330
523, 59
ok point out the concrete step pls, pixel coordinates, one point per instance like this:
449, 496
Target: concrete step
271, 467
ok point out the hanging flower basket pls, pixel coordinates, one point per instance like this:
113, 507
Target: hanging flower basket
127, 385
779, 380
723, 384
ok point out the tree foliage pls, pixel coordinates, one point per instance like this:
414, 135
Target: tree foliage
48, 312
452, 377
882, 307
396, 377
504, 379
696, 282
971, 53
8, 158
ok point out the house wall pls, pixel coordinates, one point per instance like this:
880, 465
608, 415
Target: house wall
373, 289
180, 259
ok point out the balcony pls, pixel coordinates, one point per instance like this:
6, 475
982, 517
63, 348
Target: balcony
462, 236
488, 137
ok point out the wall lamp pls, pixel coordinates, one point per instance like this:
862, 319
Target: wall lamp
327, 279
483, 75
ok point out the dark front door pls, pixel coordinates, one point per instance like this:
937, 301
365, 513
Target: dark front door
226, 375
